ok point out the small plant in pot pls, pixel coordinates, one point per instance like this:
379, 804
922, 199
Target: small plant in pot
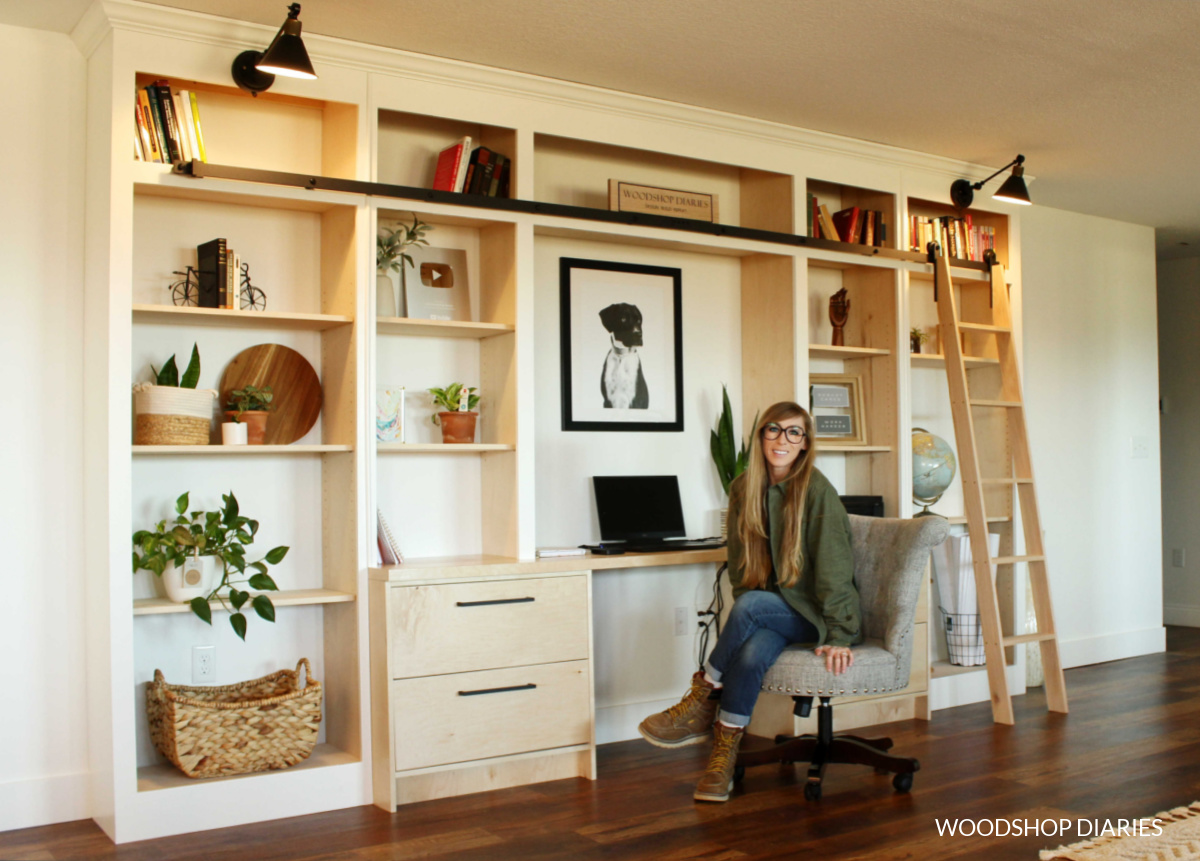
250, 406
457, 416
171, 410
390, 256
195, 545
916, 337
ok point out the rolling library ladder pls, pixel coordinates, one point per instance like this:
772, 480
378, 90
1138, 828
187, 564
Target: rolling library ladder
1007, 397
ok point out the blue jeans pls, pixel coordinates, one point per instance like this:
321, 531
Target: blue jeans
759, 626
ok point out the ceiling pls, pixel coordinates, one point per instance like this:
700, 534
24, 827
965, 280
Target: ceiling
1102, 97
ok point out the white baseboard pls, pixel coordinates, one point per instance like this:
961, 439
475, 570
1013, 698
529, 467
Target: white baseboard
1112, 647
963, 689
44, 801
1181, 614
620, 723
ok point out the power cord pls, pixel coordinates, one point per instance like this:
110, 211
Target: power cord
712, 615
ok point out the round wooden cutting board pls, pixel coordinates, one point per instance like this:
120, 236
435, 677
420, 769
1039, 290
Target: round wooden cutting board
294, 383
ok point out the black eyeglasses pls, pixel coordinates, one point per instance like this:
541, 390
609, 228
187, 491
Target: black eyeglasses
794, 434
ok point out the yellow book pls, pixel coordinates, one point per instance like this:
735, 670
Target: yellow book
196, 124
828, 231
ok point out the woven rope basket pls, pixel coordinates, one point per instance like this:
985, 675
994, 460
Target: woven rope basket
168, 415
258, 725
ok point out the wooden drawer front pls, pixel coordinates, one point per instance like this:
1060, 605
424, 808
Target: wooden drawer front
460, 627
467, 716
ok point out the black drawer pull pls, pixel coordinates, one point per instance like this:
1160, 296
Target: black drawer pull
497, 690
497, 601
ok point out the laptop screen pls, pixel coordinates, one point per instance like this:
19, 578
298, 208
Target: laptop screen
638, 507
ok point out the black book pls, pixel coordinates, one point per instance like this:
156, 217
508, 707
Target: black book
157, 116
170, 123
480, 157
212, 261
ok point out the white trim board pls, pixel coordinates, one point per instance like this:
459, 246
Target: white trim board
1102, 648
44, 801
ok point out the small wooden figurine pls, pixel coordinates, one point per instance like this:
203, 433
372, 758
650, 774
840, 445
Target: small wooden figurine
839, 311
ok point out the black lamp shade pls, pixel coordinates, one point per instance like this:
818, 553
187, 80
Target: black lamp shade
286, 54
1013, 190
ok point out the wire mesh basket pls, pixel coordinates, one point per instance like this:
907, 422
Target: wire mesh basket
964, 638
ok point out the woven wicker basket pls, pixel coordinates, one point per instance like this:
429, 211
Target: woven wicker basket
258, 725
168, 415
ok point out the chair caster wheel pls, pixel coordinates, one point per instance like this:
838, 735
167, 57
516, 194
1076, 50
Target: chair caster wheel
812, 791
902, 782
739, 771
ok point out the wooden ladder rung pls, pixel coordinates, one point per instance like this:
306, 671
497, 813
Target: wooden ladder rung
984, 327
1009, 560
989, 403
1006, 481
1026, 638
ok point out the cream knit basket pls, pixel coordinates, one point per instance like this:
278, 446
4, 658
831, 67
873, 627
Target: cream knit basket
168, 415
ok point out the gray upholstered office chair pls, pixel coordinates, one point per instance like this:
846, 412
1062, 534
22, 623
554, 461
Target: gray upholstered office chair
890, 558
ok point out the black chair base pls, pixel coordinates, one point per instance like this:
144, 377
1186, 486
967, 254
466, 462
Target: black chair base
824, 748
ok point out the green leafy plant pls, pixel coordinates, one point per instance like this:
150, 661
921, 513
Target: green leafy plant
390, 244
224, 534
917, 335
448, 398
249, 399
169, 375
729, 463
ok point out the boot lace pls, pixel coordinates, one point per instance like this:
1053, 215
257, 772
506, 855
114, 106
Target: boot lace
694, 695
724, 745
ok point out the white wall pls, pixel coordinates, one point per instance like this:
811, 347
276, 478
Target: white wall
42, 772
1179, 362
1091, 383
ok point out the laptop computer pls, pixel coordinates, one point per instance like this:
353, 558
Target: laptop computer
644, 512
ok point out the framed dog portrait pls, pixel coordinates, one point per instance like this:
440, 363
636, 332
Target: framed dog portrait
622, 346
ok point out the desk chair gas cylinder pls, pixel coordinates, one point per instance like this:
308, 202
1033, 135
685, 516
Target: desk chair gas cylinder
890, 558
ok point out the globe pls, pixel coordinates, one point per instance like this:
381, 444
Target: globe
933, 467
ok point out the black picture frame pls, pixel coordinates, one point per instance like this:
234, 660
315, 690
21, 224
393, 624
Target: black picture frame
602, 388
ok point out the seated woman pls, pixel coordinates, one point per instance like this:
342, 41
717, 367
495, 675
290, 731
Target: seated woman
792, 573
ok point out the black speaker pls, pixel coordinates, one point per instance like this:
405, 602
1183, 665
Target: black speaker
867, 506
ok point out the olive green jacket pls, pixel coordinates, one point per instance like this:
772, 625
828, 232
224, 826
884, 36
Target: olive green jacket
825, 593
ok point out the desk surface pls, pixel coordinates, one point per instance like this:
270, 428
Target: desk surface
470, 567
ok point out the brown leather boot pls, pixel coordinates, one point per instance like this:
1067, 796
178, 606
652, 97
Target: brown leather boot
687, 722
717, 781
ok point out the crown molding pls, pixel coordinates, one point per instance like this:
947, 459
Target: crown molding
154, 20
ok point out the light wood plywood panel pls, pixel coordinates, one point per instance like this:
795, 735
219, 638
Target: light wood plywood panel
767, 201
494, 773
768, 333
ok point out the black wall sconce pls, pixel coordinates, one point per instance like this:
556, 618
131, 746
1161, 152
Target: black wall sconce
1013, 190
255, 71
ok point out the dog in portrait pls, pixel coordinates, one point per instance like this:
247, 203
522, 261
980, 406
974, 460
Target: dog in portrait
621, 381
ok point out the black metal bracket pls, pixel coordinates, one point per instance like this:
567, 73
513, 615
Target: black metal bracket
933, 248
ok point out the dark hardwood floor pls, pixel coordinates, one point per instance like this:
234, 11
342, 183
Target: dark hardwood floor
1129, 748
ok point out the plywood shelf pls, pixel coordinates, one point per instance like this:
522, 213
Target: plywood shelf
834, 448
282, 598
238, 450
441, 448
823, 351
937, 360
941, 669
187, 316
151, 778
441, 328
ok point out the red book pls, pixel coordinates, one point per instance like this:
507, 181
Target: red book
451, 166
848, 224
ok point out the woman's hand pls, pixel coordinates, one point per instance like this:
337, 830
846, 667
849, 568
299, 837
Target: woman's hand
838, 659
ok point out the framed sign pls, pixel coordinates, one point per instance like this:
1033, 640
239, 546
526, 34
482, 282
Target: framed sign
622, 346
836, 404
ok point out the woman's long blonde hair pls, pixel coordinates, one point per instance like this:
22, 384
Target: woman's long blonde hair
752, 488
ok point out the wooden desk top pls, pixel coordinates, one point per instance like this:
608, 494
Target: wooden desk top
432, 569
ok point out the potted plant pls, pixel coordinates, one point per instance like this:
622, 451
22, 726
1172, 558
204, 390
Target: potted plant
216, 537
729, 463
456, 417
250, 406
171, 410
390, 256
916, 337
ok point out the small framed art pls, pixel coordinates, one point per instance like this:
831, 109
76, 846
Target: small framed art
836, 403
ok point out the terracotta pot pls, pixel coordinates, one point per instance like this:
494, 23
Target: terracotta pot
458, 427
255, 422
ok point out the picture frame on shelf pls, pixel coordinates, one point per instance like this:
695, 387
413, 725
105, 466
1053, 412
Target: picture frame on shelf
621, 330
836, 404
436, 286
389, 413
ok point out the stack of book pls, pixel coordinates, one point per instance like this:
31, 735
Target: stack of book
167, 125
218, 266
478, 171
853, 224
958, 237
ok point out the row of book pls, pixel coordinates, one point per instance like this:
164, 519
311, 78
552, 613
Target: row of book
467, 171
167, 125
958, 237
218, 266
853, 224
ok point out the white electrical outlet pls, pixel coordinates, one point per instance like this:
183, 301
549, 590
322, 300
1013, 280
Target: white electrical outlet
204, 665
681, 622
1177, 557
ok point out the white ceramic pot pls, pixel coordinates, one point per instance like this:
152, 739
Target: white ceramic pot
194, 579
234, 433
385, 295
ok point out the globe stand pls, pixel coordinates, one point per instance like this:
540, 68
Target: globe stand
925, 512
